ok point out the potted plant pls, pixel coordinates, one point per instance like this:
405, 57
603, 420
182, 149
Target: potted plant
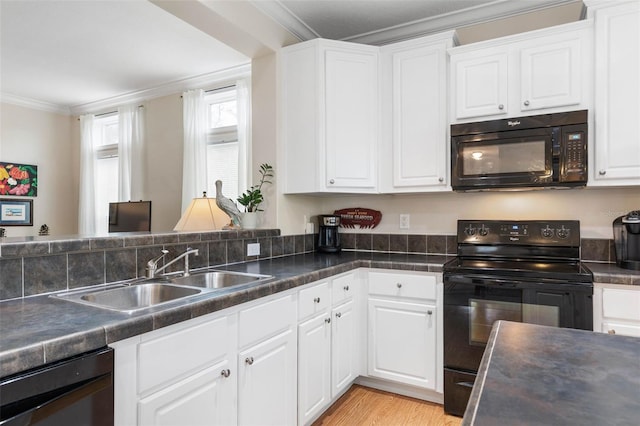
253, 197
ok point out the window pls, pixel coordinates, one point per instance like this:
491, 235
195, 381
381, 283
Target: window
223, 148
105, 145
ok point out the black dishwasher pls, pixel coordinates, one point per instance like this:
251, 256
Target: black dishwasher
74, 391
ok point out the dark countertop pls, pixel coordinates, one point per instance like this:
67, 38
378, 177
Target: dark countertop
609, 273
42, 329
537, 375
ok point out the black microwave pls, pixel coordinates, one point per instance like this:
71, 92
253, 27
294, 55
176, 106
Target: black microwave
542, 151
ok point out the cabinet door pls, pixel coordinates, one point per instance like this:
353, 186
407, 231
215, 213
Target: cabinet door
419, 118
617, 100
267, 382
402, 342
206, 398
343, 347
480, 84
613, 327
314, 367
551, 73
351, 119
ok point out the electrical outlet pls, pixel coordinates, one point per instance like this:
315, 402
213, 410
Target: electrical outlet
404, 221
253, 249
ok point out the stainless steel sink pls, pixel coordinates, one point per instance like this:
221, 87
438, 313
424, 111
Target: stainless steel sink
140, 295
219, 279
134, 297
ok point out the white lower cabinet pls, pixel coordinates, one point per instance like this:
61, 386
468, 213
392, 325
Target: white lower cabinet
284, 359
404, 328
267, 382
327, 344
616, 309
206, 398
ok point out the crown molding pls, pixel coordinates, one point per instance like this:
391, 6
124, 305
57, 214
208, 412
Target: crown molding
285, 18
30, 103
203, 81
198, 82
499, 9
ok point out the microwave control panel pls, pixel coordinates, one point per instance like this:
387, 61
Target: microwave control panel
573, 159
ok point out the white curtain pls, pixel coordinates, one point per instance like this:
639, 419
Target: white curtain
131, 162
87, 203
243, 95
194, 161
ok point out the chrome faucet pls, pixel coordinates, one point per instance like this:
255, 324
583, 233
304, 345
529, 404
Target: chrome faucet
152, 265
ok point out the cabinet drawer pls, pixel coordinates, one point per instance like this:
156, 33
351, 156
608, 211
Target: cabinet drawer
622, 329
342, 288
402, 285
170, 357
265, 320
313, 300
621, 304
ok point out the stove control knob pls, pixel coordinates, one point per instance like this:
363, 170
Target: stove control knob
562, 232
483, 231
547, 232
470, 231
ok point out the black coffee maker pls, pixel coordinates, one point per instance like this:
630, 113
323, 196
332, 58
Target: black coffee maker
329, 237
626, 236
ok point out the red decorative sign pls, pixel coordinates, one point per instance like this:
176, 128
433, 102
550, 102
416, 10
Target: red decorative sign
364, 218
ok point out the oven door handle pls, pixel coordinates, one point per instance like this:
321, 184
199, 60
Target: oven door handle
483, 280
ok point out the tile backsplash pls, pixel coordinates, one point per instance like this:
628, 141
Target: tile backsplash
46, 265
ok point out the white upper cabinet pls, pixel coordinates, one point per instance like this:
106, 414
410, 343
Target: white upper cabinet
330, 122
414, 108
615, 148
541, 71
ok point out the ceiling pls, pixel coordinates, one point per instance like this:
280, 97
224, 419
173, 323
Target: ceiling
76, 53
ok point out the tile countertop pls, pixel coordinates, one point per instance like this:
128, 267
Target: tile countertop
537, 375
42, 329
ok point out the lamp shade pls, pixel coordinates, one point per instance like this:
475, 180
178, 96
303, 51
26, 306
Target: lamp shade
202, 214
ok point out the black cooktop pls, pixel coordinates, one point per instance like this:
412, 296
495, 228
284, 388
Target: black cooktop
566, 271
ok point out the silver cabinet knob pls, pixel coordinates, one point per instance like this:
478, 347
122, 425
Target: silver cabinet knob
345, 288
316, 300
332, 181
225, 373
338, 314
327, 320
440, 179
399, 285
500, 107
526, 103
249, 360
602, 172
612, 331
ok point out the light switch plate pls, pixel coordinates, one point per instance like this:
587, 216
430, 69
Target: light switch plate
253, 249
404, 221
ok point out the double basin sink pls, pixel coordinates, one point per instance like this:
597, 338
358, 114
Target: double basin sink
152, 292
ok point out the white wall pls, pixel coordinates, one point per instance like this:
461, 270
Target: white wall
44, 139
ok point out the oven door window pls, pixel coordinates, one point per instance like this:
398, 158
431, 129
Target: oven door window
484, 313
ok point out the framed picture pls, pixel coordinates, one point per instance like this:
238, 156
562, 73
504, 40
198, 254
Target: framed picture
16, 212
18, 179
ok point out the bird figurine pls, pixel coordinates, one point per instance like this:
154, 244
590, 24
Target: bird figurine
227, 206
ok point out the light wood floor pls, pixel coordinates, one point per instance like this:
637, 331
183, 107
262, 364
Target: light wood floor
366, 406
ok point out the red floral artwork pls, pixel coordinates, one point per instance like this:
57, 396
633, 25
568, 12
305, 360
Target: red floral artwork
18, 179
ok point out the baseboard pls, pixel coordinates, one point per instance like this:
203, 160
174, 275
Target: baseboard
401, 389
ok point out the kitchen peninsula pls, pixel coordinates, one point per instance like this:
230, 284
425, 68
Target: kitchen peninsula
539, 375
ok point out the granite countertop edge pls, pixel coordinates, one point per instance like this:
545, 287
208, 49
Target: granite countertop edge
104, 327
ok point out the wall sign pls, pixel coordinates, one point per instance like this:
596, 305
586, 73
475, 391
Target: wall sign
363, 217
18, 179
